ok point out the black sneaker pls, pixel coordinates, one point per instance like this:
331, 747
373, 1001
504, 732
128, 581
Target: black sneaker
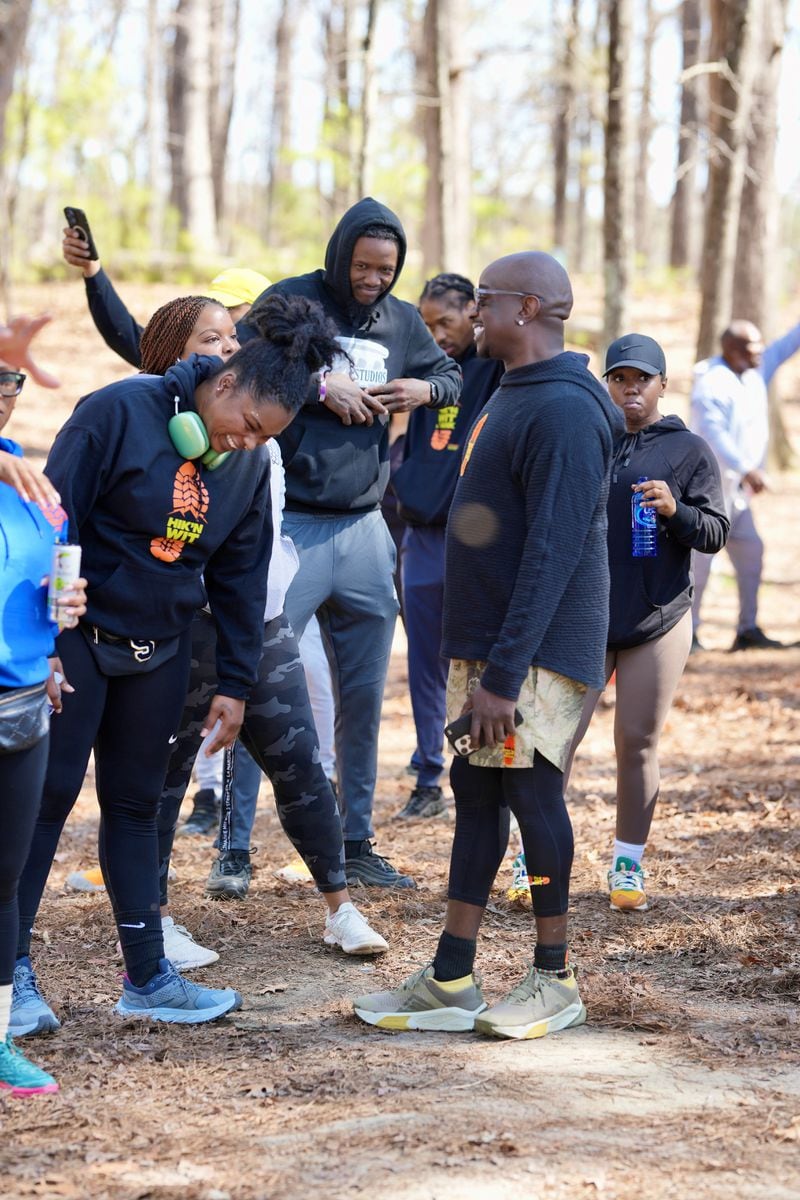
755, 639
205, 814
423, 802
370, 870
230, 875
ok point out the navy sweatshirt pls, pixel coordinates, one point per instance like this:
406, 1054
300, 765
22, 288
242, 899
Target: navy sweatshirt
336, 468
425, 482
526, 566
112, 320
650, 595
151, 523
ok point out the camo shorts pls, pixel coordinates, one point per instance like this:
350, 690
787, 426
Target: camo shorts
550, 705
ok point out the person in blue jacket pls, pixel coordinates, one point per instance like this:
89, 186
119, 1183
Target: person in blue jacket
650, 620
170, 515
424, 485
336, 456
30, 674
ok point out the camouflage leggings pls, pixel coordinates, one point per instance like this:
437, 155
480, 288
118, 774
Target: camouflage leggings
279, 733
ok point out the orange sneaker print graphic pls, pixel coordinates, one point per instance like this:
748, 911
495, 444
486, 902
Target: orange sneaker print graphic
185, 522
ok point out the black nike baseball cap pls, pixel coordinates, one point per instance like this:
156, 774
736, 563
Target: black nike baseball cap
636, 350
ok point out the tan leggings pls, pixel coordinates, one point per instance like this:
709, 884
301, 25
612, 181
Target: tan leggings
647, 677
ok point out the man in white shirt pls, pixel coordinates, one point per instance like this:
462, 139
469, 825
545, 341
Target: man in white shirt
729, 410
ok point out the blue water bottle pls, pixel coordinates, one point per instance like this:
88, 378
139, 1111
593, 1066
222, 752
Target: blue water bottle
644, 526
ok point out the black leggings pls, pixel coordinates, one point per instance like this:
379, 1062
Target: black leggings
129, 721
279, 733
21, 782
535, 795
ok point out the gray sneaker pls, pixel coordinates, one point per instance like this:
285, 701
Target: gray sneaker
30, 1013
423, 802
230, 875
421, 1002
543, 1003
170, 998
370, 870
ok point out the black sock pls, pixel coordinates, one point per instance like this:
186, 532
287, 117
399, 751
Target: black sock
455, 957
550, 958
142, 945
354, 849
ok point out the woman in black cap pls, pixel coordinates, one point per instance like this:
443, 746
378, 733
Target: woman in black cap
650, 628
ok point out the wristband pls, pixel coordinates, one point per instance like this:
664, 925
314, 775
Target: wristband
323, 386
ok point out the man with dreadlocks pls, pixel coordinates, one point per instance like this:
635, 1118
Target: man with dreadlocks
424, 486
337, 466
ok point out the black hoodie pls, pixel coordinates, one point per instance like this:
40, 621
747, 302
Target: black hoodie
526, 568
650, 595
155, 528
336, 468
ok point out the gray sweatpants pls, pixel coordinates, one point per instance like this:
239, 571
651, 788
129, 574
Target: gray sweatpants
746, 552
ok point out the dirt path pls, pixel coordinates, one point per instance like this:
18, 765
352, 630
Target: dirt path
685, 1081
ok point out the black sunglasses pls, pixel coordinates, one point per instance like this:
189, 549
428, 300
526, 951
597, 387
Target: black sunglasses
11, 383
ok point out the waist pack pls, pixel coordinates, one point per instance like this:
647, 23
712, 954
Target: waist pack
24, 718
127, 656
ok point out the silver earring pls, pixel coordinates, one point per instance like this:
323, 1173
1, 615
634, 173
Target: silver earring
520, 322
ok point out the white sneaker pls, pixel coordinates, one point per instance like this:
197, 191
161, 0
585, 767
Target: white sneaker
348, 929
182, 950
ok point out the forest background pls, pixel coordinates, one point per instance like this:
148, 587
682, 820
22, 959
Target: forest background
646, 141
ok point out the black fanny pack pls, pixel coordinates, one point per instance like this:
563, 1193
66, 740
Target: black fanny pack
127, 656
24, 717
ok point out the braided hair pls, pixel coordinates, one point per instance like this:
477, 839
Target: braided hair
455, 290
295, 340
168, 331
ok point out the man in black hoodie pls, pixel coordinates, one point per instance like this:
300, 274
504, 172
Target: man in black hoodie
336, 458
525, 622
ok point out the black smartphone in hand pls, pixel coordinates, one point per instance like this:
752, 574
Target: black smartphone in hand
457, 733
76, 219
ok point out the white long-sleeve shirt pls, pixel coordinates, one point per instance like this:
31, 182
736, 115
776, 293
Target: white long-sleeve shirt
730, 411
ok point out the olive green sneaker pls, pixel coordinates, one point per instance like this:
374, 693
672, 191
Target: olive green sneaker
544, 1002
421, 1002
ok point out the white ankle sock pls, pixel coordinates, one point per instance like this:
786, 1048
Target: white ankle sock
5, 1009
627, 850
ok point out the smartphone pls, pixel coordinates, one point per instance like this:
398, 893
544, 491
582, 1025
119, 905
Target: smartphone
457, 733
76, 219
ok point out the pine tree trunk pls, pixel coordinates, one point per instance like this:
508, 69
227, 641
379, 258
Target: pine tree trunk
563, 120
280, 126
617, 223
643, 239
369, 102
200, 220
14, 18
684, 197
734, 26
224, 45
152, 127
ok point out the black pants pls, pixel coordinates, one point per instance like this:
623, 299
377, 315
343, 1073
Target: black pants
535, 795
279, 733
129, 720
21, 782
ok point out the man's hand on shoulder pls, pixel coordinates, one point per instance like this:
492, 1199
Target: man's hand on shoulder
492, 717
351, 404
402, 395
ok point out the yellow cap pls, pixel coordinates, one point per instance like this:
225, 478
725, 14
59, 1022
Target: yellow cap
237, 285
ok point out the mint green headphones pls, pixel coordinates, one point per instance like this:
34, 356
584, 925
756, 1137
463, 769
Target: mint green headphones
189, 436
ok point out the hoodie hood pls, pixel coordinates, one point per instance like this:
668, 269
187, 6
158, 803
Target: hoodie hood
630, 442
339, 255
184, 376
573, 368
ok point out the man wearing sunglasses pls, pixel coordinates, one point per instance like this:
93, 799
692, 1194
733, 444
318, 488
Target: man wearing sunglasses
525, 624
